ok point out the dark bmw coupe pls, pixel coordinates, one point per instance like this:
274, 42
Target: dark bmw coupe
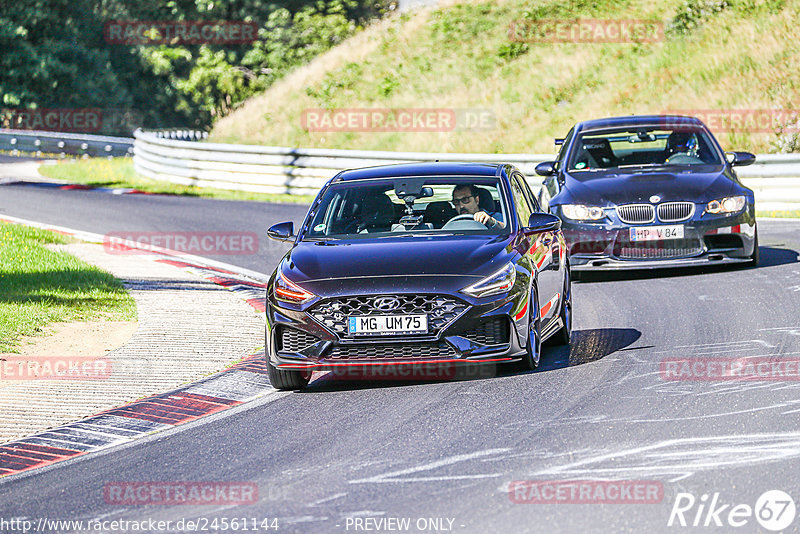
649, 191
417, 264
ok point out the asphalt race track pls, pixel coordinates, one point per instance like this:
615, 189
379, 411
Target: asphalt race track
444, 453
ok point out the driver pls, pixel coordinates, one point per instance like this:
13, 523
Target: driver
682, 144
465, 199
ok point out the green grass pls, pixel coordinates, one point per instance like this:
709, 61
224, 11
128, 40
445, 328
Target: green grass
789, 214
39, 286
716, 55
103, 172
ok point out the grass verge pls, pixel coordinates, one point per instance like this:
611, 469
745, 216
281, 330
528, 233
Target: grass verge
119, 172
790, 214
39, 286
713, 56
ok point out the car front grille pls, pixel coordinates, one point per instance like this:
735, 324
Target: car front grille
636, 213
388, 351
675, 211
292, 340
440, 309
493, 332
650, 250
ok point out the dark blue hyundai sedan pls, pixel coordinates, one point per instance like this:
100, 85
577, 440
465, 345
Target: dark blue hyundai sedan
417, 264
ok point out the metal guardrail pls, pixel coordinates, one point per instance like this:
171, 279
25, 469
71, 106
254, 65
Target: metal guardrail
20, 142
178, 156
169, 156
276, 169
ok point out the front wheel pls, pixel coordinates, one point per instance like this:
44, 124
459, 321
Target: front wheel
564, 334
754, 257
533, 350
285, 379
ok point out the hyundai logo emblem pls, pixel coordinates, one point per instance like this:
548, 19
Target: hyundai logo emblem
655, 198
386, 303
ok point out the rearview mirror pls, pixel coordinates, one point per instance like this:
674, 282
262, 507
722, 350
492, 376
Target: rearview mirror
412, 187
740, 159
542, 222
282, 231
547, 168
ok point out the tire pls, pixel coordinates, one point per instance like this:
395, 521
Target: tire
533, 349
287, 380
755, 256
564, 334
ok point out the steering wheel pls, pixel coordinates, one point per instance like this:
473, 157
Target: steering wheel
679, 159
465, 217
462, 217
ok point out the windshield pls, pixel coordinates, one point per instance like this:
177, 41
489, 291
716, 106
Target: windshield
644, 147
430, 206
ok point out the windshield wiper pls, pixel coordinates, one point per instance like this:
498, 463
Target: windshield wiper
642, 165
427, 233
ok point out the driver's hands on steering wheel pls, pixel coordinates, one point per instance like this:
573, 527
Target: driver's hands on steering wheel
486, 219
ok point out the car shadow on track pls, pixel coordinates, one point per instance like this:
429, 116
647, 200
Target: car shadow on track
770, 257
586, 346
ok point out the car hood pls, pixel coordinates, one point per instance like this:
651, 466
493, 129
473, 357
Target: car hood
698, 185
464, 255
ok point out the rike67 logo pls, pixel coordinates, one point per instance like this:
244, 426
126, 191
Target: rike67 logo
774, 510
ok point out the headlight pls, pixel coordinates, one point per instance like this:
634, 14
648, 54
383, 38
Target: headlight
288, 291
579, 212
494, 284
726, 205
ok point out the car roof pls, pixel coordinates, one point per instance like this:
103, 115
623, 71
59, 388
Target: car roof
422, 169
639, 121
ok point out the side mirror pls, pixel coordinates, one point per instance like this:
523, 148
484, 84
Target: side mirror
547, 168
282, 231
542, 222
740, 159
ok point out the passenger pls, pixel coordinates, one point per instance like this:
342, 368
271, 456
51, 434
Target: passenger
466, 199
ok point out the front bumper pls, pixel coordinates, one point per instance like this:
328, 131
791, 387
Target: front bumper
479, 332
708, 240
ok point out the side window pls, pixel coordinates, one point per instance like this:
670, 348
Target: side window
526, 191
523, 206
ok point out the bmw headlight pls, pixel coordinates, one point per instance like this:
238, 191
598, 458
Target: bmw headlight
494, 284
288, 291
726, 205
579, 212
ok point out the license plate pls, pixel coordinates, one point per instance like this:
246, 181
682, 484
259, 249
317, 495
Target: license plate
656, 233
388, 324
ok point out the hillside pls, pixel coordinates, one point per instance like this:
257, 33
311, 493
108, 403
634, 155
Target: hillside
713, 55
